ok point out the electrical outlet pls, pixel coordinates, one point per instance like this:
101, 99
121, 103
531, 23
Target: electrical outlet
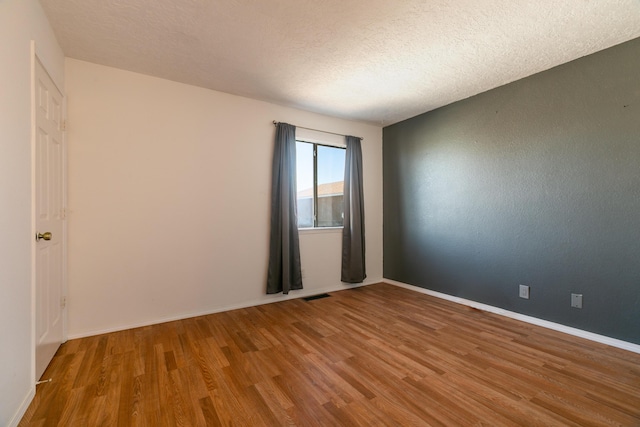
576, 300
524, 291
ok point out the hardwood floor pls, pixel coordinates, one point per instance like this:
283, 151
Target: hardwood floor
376, 355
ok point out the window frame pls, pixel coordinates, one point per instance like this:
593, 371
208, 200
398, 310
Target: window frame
315, 145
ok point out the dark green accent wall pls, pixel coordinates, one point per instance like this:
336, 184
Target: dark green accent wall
536, 182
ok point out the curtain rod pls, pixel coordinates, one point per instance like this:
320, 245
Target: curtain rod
318, 130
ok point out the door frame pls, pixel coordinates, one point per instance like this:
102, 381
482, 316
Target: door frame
35, 58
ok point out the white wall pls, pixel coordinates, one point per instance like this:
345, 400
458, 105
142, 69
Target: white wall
20, 22
169, 192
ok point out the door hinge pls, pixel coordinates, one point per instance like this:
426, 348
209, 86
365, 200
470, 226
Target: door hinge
63, 302
64, 212
63, 125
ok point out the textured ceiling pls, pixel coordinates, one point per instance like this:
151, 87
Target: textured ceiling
379, 61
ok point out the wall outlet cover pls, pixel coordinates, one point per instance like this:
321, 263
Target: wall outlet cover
576, 300
524, 291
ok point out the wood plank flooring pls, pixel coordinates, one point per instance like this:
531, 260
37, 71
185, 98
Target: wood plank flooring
379, 355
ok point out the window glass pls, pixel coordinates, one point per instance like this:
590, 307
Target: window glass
330, 186
320, 182
304, 167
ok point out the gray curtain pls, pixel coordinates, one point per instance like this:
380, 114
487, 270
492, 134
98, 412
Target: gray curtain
353, 265
285, 273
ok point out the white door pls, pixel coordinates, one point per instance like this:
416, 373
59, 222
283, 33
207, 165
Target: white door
49, 219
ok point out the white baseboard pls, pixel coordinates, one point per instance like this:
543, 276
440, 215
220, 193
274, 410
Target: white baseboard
302, 293
528, 319
23, 407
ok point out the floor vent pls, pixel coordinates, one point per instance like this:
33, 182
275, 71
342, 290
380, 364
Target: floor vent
312, 297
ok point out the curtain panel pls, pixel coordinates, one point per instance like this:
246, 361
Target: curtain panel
285, 272
353, 245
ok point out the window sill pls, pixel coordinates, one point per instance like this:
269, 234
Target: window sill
320, 230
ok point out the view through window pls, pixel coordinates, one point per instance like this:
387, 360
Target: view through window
320, 182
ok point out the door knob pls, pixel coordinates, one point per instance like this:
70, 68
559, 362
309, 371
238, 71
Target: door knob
45, 236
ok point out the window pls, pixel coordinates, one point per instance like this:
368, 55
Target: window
320, 181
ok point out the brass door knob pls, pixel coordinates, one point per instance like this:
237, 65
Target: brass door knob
45, 236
